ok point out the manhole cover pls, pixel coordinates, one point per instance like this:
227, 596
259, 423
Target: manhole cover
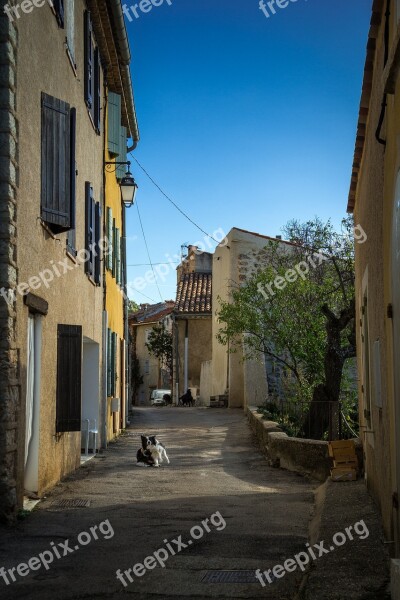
230, 577
76, 503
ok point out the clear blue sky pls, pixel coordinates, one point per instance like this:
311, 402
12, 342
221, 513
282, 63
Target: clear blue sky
245, 121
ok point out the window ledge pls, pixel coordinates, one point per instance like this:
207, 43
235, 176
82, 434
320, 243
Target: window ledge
70, 58
48, 230
92, 281
71, 257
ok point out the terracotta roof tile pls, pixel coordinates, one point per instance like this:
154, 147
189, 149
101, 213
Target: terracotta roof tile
194, 294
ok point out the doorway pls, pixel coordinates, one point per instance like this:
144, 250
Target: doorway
32, 407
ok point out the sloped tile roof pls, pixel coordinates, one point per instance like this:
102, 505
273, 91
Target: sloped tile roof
194, 294
151, 313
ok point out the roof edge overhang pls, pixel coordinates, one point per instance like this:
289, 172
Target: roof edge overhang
376, 19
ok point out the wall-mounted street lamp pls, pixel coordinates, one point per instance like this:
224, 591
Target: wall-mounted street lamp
128, 184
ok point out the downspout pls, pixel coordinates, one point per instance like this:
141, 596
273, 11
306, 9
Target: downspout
186, 365
105, 316
126, 318
124, 60
176, 333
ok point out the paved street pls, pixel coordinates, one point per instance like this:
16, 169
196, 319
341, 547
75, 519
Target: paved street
215, 466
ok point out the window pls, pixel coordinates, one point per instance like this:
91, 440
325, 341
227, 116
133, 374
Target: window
92, 234
112, 340
92, 75
70, 21
69, 378
118, 256
114, 256
58, 149
147, 366
58, 6
122, 153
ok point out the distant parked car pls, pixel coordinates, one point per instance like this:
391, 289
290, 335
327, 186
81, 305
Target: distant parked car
157, 397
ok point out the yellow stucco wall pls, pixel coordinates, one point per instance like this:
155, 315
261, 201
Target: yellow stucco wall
114, 297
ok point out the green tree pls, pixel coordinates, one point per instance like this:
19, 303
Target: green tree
299, 309
160, 346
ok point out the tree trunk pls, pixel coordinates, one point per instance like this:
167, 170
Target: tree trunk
323, 415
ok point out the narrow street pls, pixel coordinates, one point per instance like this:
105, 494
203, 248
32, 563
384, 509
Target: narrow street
215, 467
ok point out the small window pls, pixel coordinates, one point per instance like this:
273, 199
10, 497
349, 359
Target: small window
69, 378
58, 149
147, 367
147, 335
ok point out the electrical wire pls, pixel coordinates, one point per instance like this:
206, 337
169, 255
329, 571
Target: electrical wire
148, 253
158, 263
141, 293
171, 201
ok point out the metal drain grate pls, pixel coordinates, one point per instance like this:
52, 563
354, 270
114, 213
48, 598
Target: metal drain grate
75, 503
230, 577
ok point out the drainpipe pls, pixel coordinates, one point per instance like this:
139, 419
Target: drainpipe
176, 333
186, 365
126, 318
103, 392
124, 56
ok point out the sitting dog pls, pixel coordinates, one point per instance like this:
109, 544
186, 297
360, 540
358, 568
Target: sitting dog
152, 452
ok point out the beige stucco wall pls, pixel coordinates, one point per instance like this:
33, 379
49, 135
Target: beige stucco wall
232, 264
205, 383
43, 66
373, 211
200, 331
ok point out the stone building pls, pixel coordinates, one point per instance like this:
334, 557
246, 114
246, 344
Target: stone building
153, 372
58, 63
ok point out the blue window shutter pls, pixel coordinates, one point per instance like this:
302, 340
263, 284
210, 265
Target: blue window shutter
118, 256
110, 238
114, 123
109, 363
121, 170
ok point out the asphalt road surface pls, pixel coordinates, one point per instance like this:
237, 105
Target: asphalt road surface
197, 528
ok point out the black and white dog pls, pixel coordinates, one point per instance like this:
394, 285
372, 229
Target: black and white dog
152, 452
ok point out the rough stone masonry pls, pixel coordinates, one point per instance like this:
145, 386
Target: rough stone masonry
9, 382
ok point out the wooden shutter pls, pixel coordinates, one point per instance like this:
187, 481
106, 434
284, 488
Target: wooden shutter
114, 364
89, 228
97, 91
71, 237
97, 229
69, 378
109, 363
89, 67
114, 123
58, 6
56, 164
115, 249
121, 170
118, 256
110, 238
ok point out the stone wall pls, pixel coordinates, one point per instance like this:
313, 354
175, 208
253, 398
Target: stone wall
307, 457
9, 383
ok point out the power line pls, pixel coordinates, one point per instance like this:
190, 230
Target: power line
157, 263
172, 202
148, 253
141, 293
